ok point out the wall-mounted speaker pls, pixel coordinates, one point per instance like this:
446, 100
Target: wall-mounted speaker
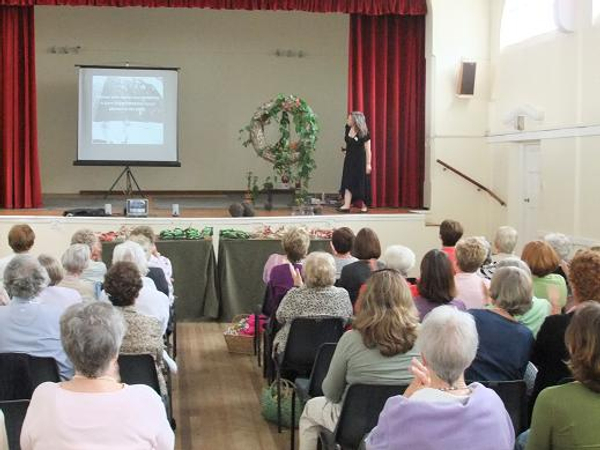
466, 78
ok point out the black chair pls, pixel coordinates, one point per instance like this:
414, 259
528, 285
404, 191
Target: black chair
307, 388
360, 412
305, 337
14, 414
170, 337
514, 396
20, 374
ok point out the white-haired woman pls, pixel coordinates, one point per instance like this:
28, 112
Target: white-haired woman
313, 297
563, 246
26, 325
96, 269
95, 410
75, 260
357, 163
504, 344
439, 410
150, 301
505, 242
54, 294
156, 274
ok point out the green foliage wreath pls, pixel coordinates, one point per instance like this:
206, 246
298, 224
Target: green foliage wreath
292, 160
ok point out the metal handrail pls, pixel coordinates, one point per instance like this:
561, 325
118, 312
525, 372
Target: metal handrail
480, 186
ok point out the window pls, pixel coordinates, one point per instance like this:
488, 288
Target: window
524, 19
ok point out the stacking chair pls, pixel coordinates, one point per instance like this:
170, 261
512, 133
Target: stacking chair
360, 412
14, 414
306, 335
514, 396
20, 374
307, 388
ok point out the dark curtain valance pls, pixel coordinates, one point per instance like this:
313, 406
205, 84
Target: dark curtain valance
367, 7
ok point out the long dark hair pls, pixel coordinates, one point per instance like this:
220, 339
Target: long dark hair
437, 277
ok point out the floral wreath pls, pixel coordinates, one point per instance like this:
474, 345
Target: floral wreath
292, 160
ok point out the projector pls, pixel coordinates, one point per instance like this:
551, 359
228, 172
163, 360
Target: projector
136, 207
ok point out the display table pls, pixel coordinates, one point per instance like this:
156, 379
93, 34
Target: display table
240, 273
195, 273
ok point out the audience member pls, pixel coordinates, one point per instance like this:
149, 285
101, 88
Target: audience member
438, 410
549, 352
156, 274
565, 417
20, 239
123, 284
540, 307
315, 297
470, 287
377, 350
53, 294
505, 242
150, 301
74, 260
450, 233
281, 279
366, 250
96, 269
543, 261
95, 410
563, 247
156, 259
277, 259
28, 326
504, 344
436, 284
342, 240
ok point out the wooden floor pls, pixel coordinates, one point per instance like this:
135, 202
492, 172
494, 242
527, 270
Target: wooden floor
217, 395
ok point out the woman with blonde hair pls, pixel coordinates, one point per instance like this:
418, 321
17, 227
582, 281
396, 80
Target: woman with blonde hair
378, 350
357, 163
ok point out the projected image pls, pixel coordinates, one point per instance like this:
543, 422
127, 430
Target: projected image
128, 110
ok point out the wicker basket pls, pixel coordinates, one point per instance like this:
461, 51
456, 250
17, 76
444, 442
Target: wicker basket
239, 343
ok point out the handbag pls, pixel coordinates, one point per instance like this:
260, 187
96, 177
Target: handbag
268, 403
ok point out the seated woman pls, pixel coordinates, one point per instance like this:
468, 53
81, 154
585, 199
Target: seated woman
367, 250
94, 410
565, 417
75, 260
504, 344
281, 278
54, 294
563, 246
96, 269
26, 325
540, 307
156, 274
438, 410
549, 352
123, 284
471, 288
156, 259
342, 240
436, 284
316, 297
378, 350
150, 301
543, 261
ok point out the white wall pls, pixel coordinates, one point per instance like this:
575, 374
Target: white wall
559, 74
228, 69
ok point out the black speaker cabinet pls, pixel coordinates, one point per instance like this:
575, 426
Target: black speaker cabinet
466, 78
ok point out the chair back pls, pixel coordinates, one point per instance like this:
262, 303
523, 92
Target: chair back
20, 374
320, 369
139, 369
360, 413
514, 396
14, 414
306, 335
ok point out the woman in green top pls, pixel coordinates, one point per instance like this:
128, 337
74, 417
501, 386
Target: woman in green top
378, 350
565, 417
543, 260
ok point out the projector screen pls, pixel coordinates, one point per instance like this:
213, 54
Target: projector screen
127, 116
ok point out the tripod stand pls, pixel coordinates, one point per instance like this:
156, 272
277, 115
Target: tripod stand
130, 181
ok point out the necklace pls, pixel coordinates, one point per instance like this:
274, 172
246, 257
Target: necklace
453, 388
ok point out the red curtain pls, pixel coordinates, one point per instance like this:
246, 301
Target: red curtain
20, 186
387, 82
370, 7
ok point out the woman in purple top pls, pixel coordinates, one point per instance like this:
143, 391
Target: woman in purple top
439, 410
436, 285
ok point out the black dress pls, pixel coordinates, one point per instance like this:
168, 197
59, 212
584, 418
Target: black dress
354, 177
